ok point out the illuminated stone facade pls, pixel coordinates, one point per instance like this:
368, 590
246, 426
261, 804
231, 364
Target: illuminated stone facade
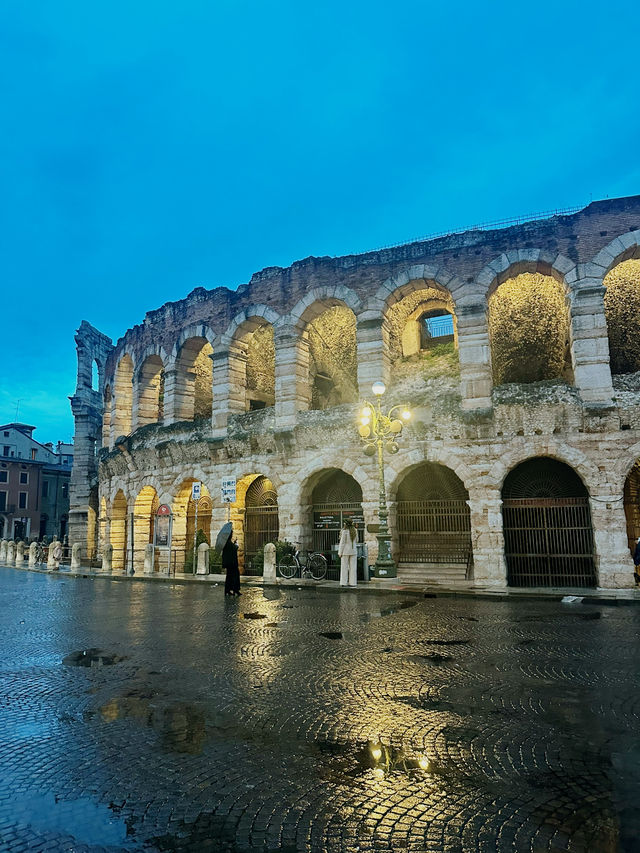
265, 381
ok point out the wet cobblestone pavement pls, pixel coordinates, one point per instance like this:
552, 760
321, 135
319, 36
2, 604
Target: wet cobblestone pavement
304, 720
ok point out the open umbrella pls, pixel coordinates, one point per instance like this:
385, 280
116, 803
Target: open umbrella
223, 537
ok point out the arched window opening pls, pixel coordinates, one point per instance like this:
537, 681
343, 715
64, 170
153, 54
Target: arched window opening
529, 330
261, 369
121, 406
421, 321
106, 417
434, 524
144, 516
333, 364
548, 536
95, 376
151, 391
119, 532
335, 497
622, 309
195, 380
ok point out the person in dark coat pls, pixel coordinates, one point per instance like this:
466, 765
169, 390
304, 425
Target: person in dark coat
230, 563
636, 562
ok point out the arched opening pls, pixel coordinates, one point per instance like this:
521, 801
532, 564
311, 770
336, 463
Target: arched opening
434, 525
622, 309
420, 322
95, 376
548, 537
189, 518
333, 367
144, 516
261, 523
529, 329
106, 417
335, 497
253, 364
194, 390
150, 391
121, 405
632, 505
118, 533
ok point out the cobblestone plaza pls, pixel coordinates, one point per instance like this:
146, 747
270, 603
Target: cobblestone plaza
310, 720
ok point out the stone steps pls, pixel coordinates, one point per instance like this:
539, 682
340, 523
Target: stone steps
446, 574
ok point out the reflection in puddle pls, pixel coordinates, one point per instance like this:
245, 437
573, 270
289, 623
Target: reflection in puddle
181, 726
91, 657
387, 611
376, 758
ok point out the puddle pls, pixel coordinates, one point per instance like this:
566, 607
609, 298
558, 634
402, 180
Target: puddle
181, 726
88, 822
331, 635
387, 611
374, 758
255, 615
271, 624
92, 657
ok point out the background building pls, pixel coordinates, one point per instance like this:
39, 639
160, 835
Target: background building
521, 463
34, 484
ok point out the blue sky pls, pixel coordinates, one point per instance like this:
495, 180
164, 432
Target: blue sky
147, 148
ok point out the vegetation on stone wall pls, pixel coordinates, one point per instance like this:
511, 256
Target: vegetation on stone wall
622, 309
261, 361
528, 327
332, 351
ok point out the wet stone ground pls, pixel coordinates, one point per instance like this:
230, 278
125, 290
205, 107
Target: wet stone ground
137, 716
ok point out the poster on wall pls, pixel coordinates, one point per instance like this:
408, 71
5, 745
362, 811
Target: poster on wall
163, 526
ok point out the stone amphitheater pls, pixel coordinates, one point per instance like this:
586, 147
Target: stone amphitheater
514, 348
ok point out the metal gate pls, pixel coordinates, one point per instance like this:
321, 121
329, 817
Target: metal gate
327, 524
548, 542
434, 532
260, 526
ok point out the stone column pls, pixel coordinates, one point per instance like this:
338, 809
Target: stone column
614, 563
32, 553
11, 553
474, 352
203, 559
171, 402
51, 563
229, 382
293, 389
149, 558
107, 558
372, 335
590, 344
3, 551
76, 552
269, 568
19, 558
489, 564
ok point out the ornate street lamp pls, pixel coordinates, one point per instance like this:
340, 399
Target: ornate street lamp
379, 432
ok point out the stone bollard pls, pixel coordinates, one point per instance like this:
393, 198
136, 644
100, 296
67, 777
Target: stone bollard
203, 559
269, 568
20, 554
33, 553
51, 563
3, 551
76, 550
107, 558
149, 558
11, 553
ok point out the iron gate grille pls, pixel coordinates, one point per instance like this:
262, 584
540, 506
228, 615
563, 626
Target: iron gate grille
260, 526
434, 532
327, 524
548, 542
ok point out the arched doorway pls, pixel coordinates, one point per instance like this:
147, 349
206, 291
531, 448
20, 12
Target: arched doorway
632, 505
548, 536
144, 514
260, 521
118, 532
434, 524
335, 497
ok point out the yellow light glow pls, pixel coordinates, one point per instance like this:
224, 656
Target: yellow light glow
379, 773
406, 415
423, 762
366, 412
376, 753
364, 421
378, 388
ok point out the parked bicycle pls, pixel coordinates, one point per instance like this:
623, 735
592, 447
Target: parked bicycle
315, 565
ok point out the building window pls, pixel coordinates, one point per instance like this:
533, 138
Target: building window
4, 476
24, 478
3, 501
6, 433
33, 452
45, 488
22, 500
65, 490
5, 450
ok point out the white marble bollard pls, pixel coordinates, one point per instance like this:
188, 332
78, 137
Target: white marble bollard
107, 558
76, 551
203, 559
33, 553
51, 563
269, 568
3, 551
11, 553
19, 554
149, 558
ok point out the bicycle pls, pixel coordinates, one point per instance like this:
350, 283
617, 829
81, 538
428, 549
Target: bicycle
314, 567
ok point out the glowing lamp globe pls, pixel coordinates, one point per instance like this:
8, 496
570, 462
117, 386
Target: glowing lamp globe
378, 388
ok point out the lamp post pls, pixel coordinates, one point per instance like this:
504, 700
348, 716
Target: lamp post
378, 431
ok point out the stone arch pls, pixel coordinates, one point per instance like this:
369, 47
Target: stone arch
122, 397
185, 526
192, 390
622, 308
631, 504
317, 300
519, 261
118, 531
414, 278
622, 248
409, 329
548, 532
539, 447
251, 350
150, 387
254, 516
144, 513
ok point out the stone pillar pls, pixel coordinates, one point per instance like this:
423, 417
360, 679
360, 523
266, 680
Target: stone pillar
372, 335
3, 551
475, 356
76, 552
171, 410
489, 564
590, 344
19, 558
51, 563
107, 558
269, 568
614, 563
11, 553
33, 548
229, 382
203, 559
293, 389
149, 558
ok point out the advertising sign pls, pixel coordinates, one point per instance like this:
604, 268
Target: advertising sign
163, 526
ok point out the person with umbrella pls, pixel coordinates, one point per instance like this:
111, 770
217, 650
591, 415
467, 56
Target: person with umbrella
229, 549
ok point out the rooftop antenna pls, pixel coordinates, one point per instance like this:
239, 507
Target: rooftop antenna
17, 410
